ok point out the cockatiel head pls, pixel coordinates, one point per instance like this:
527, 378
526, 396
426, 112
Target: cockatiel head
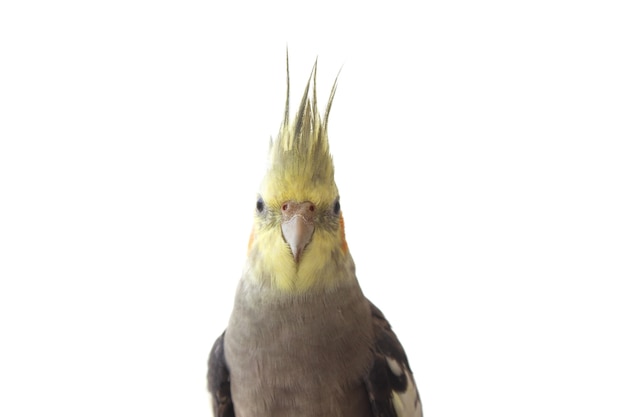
297, 242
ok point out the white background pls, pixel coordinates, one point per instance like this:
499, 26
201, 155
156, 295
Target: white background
479, 150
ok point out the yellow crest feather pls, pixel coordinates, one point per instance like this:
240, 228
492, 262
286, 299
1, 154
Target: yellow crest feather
300, 166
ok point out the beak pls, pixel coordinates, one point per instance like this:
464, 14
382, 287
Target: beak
298, 225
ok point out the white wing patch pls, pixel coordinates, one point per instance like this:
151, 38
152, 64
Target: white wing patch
407, 403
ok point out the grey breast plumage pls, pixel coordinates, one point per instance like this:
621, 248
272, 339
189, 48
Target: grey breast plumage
330, 353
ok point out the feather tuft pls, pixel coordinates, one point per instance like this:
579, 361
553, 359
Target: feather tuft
299, 157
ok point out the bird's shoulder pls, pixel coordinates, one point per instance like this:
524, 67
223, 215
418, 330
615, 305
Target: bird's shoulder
390, 384
218, 380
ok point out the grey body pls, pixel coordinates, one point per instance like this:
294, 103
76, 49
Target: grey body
299, 355
325, 354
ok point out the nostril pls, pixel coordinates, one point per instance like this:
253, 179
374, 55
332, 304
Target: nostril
285, 207
312, 207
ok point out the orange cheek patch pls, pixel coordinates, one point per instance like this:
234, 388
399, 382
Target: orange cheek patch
344, 244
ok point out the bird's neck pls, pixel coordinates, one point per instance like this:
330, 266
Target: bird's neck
312, 274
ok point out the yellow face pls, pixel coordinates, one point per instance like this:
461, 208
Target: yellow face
318, 251
298, 240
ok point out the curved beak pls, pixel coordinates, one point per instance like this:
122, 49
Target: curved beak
298, 226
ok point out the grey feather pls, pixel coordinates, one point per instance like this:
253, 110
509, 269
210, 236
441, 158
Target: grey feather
326, 354
218, 379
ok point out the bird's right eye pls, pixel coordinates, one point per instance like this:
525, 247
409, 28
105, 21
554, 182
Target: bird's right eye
260, 205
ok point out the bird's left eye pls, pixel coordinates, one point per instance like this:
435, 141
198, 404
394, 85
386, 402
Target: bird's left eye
336, 207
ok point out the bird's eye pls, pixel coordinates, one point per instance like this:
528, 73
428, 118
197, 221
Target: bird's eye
336, 207
260, 205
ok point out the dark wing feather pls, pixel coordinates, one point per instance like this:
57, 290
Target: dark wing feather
390, 374
218, 379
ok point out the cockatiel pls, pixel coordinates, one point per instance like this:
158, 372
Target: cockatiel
302, 338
